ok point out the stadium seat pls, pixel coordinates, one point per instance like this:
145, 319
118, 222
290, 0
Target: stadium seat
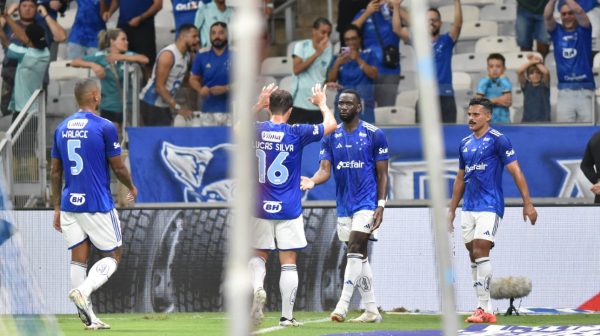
330, 94
472, 31
481, 3
469, 13
407, 59
553, 101
286, 83
504, 14
336, 47
408, 81
394, 115
62, 70
462, 98
515, 59
407, 98
461, 81
277, 67
471, 63
164, 36
290, 48
496, 44
516, 110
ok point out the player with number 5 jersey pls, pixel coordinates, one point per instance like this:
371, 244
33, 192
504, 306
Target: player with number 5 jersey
85, 146
278, 147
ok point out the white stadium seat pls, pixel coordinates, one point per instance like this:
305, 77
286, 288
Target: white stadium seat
497, 44
469, 13
408, 81
515, 59
286, 83
461, 81
407, 98
505, 14
481, 3
407, 59
394, 115
277, 66
472, 31
471, 63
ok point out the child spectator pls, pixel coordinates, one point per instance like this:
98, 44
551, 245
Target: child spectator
497, 88
534, 78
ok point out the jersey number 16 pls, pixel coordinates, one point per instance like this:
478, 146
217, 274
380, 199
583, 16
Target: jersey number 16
277, 173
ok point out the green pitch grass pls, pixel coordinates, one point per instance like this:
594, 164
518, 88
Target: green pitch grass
182, 324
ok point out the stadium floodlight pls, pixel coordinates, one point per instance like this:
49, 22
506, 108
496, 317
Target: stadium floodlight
431, 133
245, 29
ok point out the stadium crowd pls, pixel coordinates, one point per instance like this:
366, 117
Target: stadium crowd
189, 78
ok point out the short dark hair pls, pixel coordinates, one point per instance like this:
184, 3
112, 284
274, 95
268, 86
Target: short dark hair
280, 101
435, 10
184, 28
218, 23
352, 27
497, 56
319, 21
486, 103
352, 92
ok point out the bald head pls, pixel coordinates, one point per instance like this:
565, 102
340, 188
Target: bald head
87, 93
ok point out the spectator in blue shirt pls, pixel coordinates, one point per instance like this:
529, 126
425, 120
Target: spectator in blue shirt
442, 46
378, 34
573, 54
497, 88
83, 39
210, 78
354, 69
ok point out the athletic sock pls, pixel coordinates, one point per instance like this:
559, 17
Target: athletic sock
353, 270
98, 275
288, 284
365, 287
482, 286
78, 274
474, 272
257, 270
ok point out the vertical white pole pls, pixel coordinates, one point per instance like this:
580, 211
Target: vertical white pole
244, 31
431, 134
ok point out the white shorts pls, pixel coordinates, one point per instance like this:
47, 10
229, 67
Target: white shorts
103, 229
361, 221
289, 234
479, 225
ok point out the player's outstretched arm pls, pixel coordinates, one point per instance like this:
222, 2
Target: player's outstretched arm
458, 189
320, 176
263, 98
382, 187
117, 165
528, 208
320, 99
56, 175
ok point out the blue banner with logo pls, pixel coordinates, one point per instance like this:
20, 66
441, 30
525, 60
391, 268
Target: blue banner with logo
190, 164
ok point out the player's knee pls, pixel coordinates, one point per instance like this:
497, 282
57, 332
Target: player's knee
355, 247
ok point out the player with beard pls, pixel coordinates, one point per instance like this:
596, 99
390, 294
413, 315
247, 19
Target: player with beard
481, 160
210, 78
359, 153
158, 96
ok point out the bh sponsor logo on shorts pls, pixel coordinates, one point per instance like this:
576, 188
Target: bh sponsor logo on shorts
350, 164
77, 199
272, 206
479, 166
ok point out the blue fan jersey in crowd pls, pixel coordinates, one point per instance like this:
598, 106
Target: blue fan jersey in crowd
214, 70
373, 42
442, 53
279, 155
184, 11
83, 143
573, 55
88, 23
483, 161
353, 158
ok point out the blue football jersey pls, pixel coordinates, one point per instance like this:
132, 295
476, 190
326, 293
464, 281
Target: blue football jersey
83, 143
483, 161
353, 158
279, 156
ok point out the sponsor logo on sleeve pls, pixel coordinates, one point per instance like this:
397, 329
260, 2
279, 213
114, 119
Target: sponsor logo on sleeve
510, 153
315, 130
383, 151
116, 145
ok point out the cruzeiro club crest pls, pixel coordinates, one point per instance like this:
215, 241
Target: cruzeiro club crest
202, 171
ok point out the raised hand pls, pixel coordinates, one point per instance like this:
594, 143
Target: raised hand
318, 94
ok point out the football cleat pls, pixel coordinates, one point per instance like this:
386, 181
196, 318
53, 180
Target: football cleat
368, 317
289, 323
260, 297
97, 324
80, 302
476, 317
338, 315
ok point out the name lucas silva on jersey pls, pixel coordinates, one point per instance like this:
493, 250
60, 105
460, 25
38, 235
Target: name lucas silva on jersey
269, 146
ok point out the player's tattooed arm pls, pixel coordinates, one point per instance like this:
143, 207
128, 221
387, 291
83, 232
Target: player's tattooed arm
56, 175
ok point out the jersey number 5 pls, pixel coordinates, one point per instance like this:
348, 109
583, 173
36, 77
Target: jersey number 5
72, 145
277, 172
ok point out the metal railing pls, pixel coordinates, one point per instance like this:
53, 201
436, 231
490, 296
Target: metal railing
23, 154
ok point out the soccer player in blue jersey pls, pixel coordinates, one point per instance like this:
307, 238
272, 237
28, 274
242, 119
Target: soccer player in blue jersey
482, 158
358, 151
85, 146
278, 148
